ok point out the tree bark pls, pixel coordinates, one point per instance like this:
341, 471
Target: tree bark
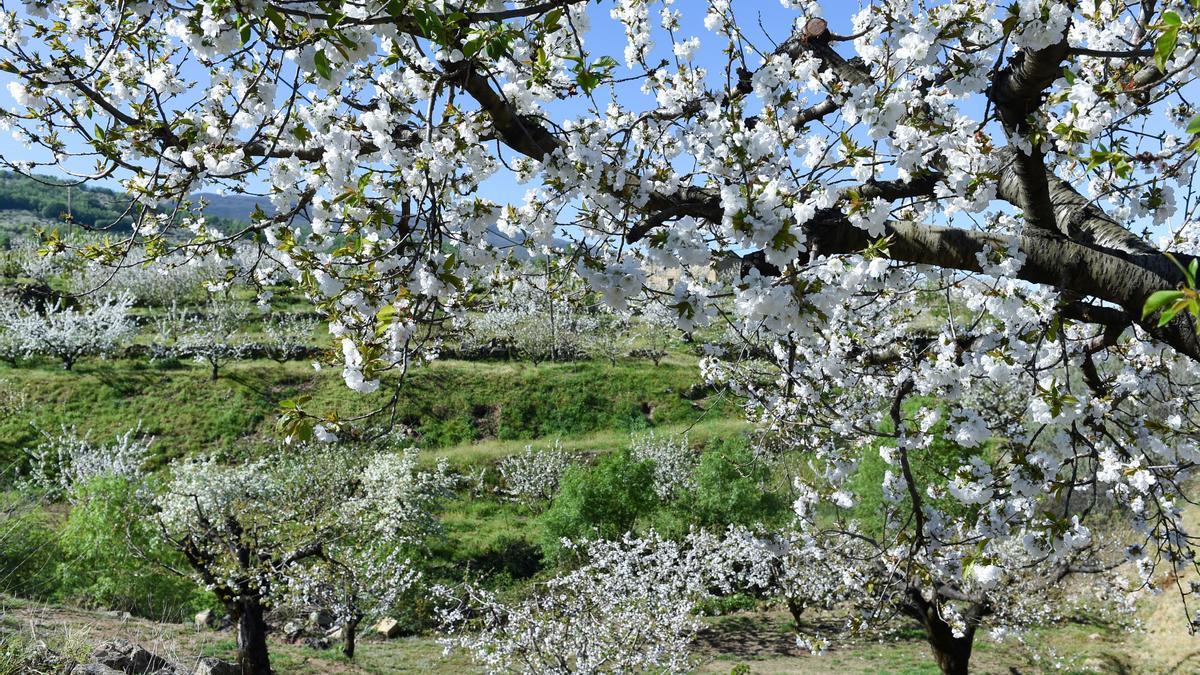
252, 656
953, 654
348, 642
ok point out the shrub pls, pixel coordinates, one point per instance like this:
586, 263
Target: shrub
28, 548
604, 501
112, 558
730, 484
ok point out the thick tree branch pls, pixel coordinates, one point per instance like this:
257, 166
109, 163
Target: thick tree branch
1050, 260
1017, 92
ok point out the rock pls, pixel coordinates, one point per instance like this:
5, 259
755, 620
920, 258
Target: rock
292, 630
210, 665
388, 627
1094, 636
127, 657
320, 619
337, 634
94, 669
205, 619
318, 643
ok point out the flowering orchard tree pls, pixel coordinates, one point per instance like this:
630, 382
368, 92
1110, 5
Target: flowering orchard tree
367, 572
66, 460
71, 333
213, 338
939, 217
629, 608
533, 475
306, 525
289, 336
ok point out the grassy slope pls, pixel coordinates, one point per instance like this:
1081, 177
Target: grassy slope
449, 403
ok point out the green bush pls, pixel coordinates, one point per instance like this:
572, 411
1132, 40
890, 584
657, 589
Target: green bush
28, 548
733, 487
112, 558
603, 501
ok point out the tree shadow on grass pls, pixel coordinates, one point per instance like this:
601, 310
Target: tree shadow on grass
750, 637
123, 381
1188, 664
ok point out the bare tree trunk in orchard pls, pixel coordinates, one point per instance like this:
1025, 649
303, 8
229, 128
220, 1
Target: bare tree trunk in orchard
351, 636
252, 656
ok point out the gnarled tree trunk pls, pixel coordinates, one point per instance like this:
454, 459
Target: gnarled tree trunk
252, 655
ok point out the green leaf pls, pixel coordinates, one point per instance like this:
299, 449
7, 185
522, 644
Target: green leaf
1193, 127
1171, 311
1157, 299
321, 62
1164, 47
276, 18
1171, 19
1192, 268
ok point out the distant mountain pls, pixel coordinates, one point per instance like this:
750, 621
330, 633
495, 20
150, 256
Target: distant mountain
232, 207
49, 199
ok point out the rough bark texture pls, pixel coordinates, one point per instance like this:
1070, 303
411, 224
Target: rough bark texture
348, 643
1017, 93
252, 655
952, 653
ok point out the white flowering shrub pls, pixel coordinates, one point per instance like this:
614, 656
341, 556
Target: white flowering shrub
69, 333
65, 459
533, 475
628, 608
674, 462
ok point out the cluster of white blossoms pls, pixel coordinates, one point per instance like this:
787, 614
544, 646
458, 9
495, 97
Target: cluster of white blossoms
629, 607
932, 220
65, 460
534, 474
674, 462
66, 332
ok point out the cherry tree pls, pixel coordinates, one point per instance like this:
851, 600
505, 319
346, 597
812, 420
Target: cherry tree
629, 607
945, 222
368, 571
66, 459
289, 336
304, 525
214, 336
533, 475
14, 334
71, 333
674, 462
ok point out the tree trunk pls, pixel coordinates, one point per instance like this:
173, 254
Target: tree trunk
351, 629
214, 370
252, 655
796, 609
953, 654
